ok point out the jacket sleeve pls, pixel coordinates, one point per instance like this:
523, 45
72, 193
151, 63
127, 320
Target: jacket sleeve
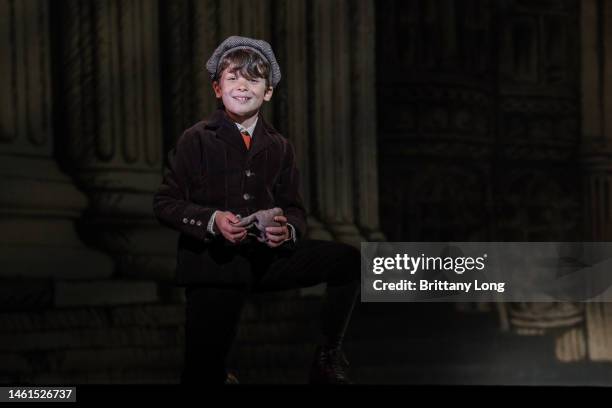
171, 203
287, 193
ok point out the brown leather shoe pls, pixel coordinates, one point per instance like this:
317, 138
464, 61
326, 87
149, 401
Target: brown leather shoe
231, 379
329, 367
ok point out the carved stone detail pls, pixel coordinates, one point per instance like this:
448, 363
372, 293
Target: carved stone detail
38, 204
111, 78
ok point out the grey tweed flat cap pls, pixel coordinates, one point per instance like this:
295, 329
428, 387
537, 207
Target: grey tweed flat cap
235, 42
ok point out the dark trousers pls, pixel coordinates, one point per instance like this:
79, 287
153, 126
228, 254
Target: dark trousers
213, 313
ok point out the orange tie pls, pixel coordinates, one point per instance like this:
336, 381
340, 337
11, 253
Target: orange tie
246, 138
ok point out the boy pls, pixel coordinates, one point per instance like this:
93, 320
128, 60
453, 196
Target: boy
226, 168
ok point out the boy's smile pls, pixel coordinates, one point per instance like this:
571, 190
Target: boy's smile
241, 96
242, 99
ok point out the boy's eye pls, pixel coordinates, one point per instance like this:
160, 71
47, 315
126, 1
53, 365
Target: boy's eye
254, 80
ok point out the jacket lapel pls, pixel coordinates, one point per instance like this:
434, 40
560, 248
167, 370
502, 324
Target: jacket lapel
261, 138
227, 131
230, 134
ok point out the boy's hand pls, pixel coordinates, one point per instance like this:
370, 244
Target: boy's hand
224, 221
275, 236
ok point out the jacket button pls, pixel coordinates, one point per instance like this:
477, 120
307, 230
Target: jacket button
199, 223
192, 221
249, 173
185, 220
246, 196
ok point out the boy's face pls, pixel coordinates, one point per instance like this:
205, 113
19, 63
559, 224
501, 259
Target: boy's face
241, 97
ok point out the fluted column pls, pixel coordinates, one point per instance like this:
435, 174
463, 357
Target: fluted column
596, 128
364, 127
38, 203
596, 37
332, 139
113, 116
206, 38
291, 98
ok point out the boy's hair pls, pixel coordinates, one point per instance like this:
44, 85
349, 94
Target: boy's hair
249, 63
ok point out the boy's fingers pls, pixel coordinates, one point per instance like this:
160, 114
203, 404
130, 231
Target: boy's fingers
276, 230
237, 234
274, 238
272, 244
280, 218
236, 237
233, 229
276, 244
232, 218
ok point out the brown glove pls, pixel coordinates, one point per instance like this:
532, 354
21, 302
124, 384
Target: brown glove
257, 222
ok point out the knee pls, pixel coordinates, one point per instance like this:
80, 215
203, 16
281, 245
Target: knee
351, 255
349, 259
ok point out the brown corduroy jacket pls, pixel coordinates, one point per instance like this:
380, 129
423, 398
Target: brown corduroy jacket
211, 169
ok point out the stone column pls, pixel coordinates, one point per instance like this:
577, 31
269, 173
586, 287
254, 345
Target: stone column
596, 24
539, 101
38, 203
111, 86
332, 138
206, 39
292, 97
364, 127
596, 130
189, 35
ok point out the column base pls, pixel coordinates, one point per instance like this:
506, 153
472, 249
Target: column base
38, 209
104, 293
142, 249
316, 230
374, 235
347, 233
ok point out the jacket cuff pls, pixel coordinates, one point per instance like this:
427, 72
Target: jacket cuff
298, 225
211, 224
293, 235
193, 221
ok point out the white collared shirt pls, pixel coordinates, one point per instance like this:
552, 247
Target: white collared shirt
250, 129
